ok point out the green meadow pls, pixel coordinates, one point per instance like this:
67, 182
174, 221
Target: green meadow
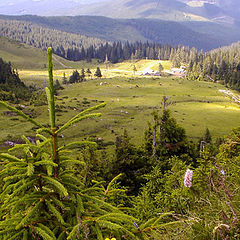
130, 102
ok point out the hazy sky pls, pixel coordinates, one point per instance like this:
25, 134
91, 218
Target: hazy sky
6, 2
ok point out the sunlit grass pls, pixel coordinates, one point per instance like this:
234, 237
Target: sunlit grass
124, 69
130, 102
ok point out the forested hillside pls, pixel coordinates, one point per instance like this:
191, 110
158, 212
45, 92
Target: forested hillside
77, 47
42, 37
217, 65
206, 36
221, 65
177, 10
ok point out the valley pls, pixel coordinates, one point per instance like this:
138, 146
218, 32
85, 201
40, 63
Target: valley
119, 119
131, 99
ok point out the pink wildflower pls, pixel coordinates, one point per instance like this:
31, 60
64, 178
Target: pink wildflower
188, 178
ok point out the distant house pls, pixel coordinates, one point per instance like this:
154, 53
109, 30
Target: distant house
146, 74
151, 73
157, 73
180, 72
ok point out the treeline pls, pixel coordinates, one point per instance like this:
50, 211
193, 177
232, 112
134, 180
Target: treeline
42, 37
78, 47
219, 65
118, 52
77, 77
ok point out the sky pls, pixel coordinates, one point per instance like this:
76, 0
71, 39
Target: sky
9, 2
10, 7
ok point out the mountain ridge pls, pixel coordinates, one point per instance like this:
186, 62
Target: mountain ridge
175, 10
210, 35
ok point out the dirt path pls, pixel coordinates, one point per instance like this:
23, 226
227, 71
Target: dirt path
62, 64
235, 97
149, 68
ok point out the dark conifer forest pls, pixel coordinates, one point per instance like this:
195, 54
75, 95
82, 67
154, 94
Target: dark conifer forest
11, 86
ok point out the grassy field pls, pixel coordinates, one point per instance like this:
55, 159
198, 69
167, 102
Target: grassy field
124, 69
23, 56
130, 102
130, 97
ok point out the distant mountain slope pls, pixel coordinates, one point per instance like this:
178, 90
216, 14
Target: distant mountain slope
43, 37
23, 56
210, 35
176, 10
96, 27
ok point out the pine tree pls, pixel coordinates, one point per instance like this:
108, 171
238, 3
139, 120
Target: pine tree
207, 136
64, 79
42, 196
88, 72
160, 67
75, 77
131, 163
134, 69
82, 76
98, 73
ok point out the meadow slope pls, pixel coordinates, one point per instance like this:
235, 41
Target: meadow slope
130, 101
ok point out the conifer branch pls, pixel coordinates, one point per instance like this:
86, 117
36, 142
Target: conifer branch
57, 185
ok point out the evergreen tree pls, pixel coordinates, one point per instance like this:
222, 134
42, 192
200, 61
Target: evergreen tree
88, 72
57, 86
160, 67
98, 73
13, 89
64, 79
165, 139
207, 136
130, 161
134, 69
75, 77
82, 76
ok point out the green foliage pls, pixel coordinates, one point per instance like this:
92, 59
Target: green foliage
11, 87
211, 204
164, 139
42, 195
40, 37
130, 161
75, 77
222, 65
98, 73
